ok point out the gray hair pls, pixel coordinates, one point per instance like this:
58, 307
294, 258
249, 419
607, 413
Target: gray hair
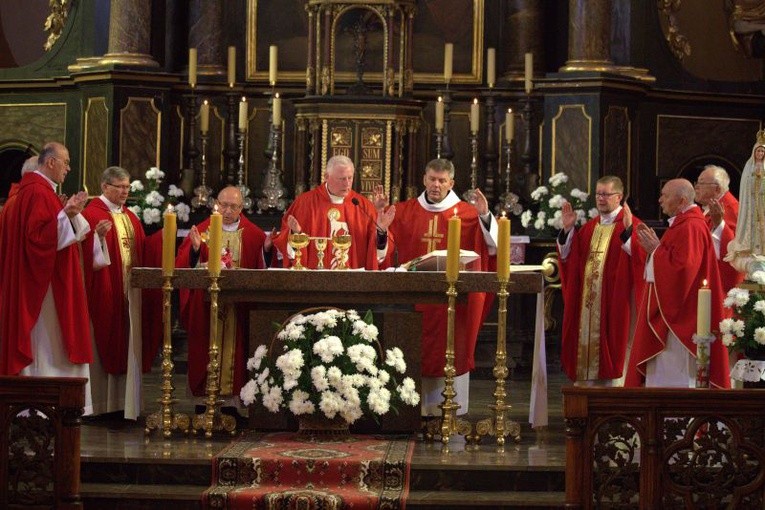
686, 191
441, 165
114, 172
49, 151
30, 165
720, 177
339, 161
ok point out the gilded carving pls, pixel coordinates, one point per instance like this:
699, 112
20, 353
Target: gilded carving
678, 43
54, 24
746, 21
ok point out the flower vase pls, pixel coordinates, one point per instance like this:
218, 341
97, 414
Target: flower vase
318, 426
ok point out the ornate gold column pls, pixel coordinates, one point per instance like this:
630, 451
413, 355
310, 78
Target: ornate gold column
523, 33
206, 35
589, 36
129, 34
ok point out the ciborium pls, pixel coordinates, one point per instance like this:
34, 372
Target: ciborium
341, 244
321, 247
298, 242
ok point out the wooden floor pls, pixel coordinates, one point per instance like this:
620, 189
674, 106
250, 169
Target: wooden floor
123, 468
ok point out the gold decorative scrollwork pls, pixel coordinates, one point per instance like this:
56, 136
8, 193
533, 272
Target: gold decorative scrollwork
54, 23
551, 274
678, 43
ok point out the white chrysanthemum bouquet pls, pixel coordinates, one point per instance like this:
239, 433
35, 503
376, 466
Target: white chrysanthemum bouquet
549, 200
329, 365
746, 329
150, 203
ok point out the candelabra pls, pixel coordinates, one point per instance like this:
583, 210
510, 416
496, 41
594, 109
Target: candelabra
527, 121
243, 189
439, 143
269, 151
490, 155
446, 146
202, 193
165, 418
508, 201
231, 150
273, 189
192, 153
470, 195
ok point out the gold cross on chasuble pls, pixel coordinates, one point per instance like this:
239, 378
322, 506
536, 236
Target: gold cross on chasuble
588, 352
432, 237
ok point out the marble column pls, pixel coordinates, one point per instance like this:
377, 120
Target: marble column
523, 33
206, 35
589, 36
129, 34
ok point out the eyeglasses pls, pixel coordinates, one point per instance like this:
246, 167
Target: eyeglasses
62, 161
123, 187
697, 183
606, 195
231, 207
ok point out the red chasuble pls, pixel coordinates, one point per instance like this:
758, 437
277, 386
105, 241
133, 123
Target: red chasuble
195, 311
30, 264
107, 301
728, 274
417, 232
319, 217
683, 260
622, 275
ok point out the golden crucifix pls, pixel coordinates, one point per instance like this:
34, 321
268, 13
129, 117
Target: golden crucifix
432, 237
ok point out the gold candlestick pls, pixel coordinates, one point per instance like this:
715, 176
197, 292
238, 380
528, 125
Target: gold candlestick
212, 419
500, 426
165, 418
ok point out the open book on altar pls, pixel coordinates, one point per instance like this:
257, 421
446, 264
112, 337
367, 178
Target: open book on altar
436, 261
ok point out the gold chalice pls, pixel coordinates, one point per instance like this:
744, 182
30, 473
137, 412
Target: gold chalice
341, 244
298, 242
321, 246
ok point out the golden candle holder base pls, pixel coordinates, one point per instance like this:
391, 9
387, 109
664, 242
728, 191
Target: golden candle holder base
212, 420
298, 242
341, 243
166, 419
432, 429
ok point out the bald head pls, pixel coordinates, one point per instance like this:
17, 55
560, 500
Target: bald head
230, 204
676, 195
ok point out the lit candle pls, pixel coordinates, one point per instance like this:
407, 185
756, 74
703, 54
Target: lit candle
231, 65
204, 114
273, 63
528, 72
503, 249
169, 233
704, 311
491, 69
440, 114
474, 116
448, 57
243, 114
509, 125
453, 247
214, 242
277, 113
193, 67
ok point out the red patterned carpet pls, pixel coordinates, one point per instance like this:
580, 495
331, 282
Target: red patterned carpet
284, 471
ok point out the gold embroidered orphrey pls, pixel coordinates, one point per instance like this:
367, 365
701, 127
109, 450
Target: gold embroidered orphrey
126, 237
432, 238
588, 349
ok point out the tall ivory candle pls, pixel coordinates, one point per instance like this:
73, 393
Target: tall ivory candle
453, 247
528, 72
215, 242
231, 65
503, 249
474, 116
243, 114
448, 59
491, 69
193, 67
277, 113
273, 63
509, 125
204, 114
704, 311
440, 114
169, 233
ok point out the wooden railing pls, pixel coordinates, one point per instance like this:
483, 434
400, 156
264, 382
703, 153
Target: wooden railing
40, 441
649, 448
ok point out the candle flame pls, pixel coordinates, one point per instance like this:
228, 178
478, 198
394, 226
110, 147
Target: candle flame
205, 101
705, 284
503, 214
475, 100
440, 99
170, 208
244, 99
277, 95
509, 110
215, 208
455, 211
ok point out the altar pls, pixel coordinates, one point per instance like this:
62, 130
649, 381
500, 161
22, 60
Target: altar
275, 294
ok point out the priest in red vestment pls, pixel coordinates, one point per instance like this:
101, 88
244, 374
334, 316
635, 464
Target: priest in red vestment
421, 226
116, 307
333, 208
663, 353
720, 209
43, 306
30, 165
242, 247
601, 268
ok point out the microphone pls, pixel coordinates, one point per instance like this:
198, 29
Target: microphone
355, 201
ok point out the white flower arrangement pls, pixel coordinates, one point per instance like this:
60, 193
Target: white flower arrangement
329, 364
549, 200
150, 203
746, 329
